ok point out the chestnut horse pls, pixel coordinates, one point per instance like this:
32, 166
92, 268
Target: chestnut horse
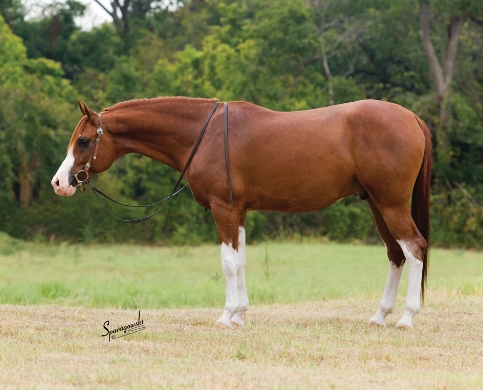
279, 161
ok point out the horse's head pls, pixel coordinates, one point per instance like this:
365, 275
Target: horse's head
84, 159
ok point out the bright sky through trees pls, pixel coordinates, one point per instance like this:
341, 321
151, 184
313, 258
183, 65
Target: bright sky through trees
94, 15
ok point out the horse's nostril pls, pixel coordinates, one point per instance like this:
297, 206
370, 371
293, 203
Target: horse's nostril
57, 183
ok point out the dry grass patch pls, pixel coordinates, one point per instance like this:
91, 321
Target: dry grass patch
310, 345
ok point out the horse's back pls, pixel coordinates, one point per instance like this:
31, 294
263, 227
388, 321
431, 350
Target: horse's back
279, 157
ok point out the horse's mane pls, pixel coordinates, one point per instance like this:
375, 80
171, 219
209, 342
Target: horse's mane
136, 102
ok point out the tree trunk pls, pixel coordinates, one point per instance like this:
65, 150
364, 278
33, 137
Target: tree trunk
122, 24
25, 190
442, 76
328, 74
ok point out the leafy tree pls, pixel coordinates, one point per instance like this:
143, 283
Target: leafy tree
445, 45
13, 12
247, 52
34, 115
285, 55
48, 36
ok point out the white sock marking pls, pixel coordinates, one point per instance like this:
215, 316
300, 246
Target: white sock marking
229, 262
414, 286
242, 288
389, 296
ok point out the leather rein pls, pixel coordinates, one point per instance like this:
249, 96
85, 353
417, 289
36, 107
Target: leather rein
82, 176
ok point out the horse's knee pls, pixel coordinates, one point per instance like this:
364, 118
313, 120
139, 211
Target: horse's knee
229, 259
229, 268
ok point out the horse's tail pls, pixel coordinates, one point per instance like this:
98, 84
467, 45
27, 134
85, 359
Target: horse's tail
420, 198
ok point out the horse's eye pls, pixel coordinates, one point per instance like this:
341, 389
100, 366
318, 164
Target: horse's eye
83, 142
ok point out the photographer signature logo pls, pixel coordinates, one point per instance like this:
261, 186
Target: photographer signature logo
124, 330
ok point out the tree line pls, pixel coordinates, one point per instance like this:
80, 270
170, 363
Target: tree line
282, 54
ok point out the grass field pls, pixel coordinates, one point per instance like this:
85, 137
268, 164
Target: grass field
131, 277
306, 327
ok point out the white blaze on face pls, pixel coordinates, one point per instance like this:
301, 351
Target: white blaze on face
60, 181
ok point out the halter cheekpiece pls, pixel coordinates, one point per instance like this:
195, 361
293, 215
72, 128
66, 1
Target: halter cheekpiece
83, 173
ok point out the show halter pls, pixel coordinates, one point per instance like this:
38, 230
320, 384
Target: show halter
84, 172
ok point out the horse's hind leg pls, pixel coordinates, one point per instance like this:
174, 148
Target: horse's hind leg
396, 263
402, 227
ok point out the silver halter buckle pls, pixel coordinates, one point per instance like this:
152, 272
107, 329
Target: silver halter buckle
81, 182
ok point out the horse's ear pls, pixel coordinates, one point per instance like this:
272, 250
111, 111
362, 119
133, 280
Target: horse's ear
91, 115
81, 107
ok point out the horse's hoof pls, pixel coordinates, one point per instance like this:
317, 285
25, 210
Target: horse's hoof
222, 325
403, 326
375, 324
237, 321
378, 321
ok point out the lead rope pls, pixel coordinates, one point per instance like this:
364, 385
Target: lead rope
173, 193
97, 193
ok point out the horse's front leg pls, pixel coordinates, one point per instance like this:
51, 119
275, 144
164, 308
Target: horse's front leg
242, 287
227, 221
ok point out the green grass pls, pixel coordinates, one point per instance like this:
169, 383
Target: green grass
129, 277
323, 343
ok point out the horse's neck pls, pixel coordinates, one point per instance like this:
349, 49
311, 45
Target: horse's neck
164, 129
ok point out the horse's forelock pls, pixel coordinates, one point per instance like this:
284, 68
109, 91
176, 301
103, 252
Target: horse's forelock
78, 131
